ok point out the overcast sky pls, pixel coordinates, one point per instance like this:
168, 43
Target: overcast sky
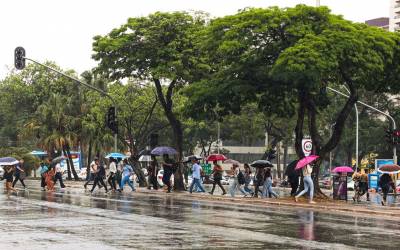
62, 30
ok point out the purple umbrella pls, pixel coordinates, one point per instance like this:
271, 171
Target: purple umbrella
163, 151
8, 161
343, 169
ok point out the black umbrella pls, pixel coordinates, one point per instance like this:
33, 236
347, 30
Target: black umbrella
145, 152
261, 164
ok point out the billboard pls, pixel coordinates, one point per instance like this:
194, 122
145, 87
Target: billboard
76, 159
381, 162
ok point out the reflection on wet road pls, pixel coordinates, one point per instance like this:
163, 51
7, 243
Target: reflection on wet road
73, 219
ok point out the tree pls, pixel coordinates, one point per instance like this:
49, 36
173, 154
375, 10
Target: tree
157, 48
284, 59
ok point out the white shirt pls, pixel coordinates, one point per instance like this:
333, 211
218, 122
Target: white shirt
196, 168
113, 167
58, 168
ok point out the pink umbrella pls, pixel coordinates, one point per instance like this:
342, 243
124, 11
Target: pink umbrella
305, 161
343, 169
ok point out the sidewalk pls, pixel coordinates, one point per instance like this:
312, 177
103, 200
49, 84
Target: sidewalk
363, 209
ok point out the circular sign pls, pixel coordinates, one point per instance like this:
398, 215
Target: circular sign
307, 146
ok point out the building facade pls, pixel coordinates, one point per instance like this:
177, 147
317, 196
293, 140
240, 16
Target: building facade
394, 23
382, 22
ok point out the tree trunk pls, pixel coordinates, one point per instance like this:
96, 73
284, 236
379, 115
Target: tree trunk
166, 103
138, 171
278, 159
68, 166
285, 156
68, 151
89, 159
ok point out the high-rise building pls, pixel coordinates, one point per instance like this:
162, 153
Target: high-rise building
382, 22
394, 23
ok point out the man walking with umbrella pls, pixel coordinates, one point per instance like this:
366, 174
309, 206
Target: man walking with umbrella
168, 171
19, 173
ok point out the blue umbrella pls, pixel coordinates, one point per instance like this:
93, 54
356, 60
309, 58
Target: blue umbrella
38, 153
8, 161
163, 151
116, 155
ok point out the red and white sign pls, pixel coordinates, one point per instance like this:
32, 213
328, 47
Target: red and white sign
306, 144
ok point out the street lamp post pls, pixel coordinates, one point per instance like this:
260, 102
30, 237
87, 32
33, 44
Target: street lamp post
377, 110
86, 85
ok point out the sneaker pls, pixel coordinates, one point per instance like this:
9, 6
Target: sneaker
312, 202
210, 193
224, 193
354, 199
383, 203
296, 199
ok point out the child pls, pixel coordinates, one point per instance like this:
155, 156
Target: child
8, 176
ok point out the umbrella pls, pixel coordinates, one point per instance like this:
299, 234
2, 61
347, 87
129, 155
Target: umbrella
58, 159
389, 169
8, 161
145, 152
216, 157
343, 169
115, 156
38, 153
190, 157
231, 161
261, 164
305, 161
163, 151
145, 158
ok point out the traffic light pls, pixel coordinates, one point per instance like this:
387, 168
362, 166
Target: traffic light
396, 136
389, 136
112, 120
19, 58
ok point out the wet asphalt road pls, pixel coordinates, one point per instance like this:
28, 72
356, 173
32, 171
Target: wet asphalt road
73, 219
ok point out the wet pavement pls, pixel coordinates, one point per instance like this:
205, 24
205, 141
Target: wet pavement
73, 219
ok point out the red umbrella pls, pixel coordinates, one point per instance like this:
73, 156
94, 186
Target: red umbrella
389, 168
343, 169
305, 161
216, 157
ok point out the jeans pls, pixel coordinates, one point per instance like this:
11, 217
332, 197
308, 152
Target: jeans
167, 180
217, 181
58, 176
267, 189
235, 185
111, 181
18, 177
125, 179
98, 179
196, 182
247, 188
308, 186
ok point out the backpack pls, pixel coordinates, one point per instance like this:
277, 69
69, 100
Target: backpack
241, 178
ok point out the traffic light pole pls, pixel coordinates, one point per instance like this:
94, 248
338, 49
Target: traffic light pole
86, 85
377, 110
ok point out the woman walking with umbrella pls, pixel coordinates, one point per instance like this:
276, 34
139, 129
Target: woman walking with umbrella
217, 176
267, 189
304, 164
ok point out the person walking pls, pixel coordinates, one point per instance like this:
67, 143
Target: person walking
217, 176
43, 170
8, 176
196, 176
308, 184
118, 174
19, 174
98, 173
167, 165
111, 175
58, 175
152, 173
235, 184
267, 187
91, 175
258, 181
385, 183
127, 171
247, 179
